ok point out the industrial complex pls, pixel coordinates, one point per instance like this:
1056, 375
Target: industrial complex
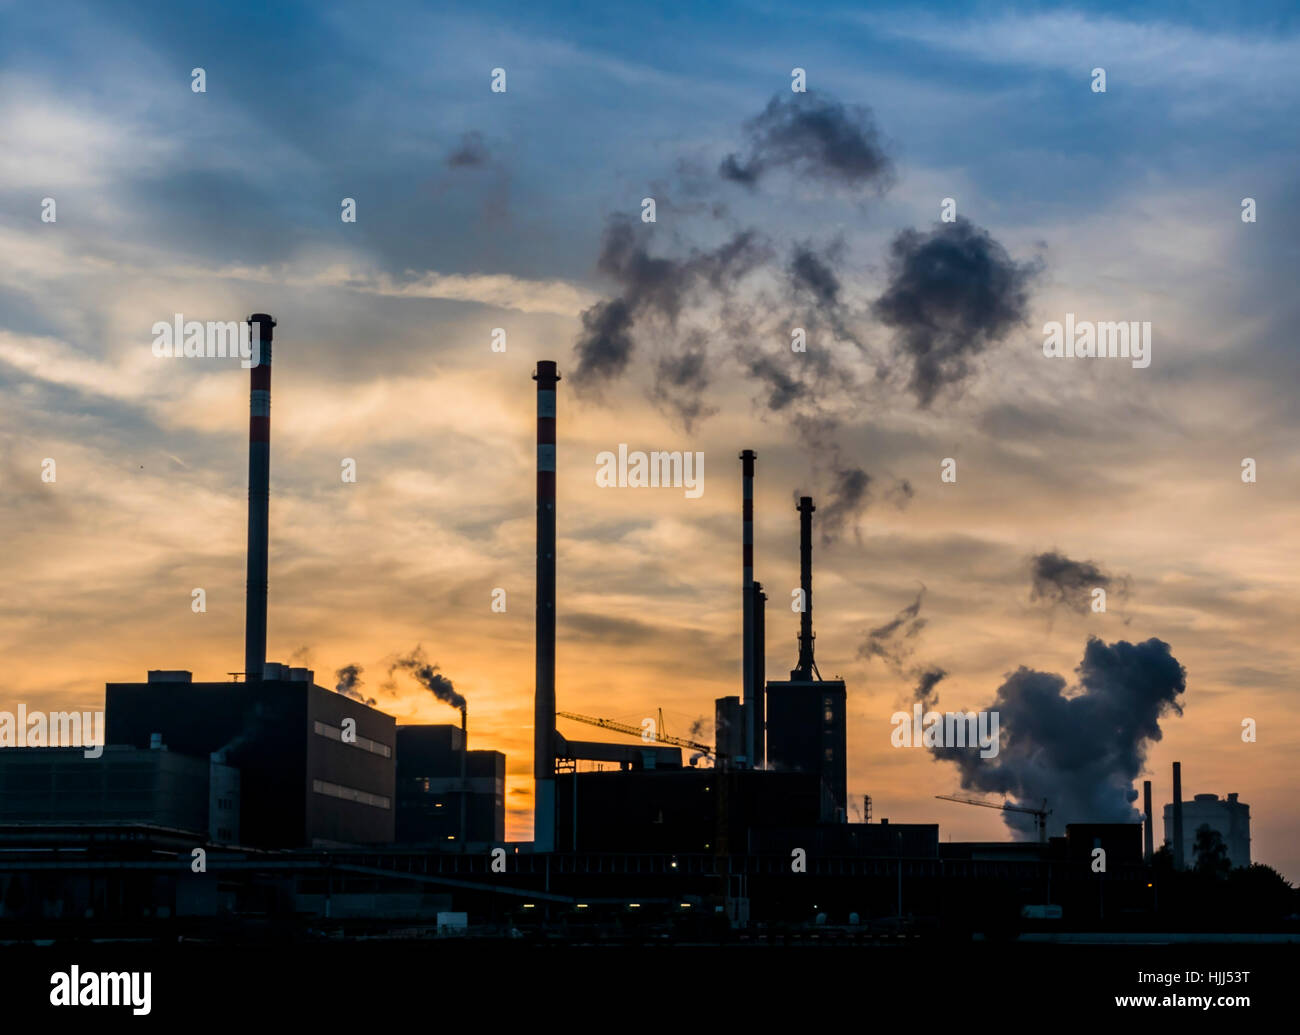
272, 799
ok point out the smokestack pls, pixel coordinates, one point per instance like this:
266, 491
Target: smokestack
259, 490
752, 707
464, 786
544, 701
1148, 847
806, 667
760, 675
1178, 815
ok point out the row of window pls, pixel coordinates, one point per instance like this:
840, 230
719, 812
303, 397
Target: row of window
335, 790
334, 733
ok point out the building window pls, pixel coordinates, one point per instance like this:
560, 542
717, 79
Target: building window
324, 729
334, 790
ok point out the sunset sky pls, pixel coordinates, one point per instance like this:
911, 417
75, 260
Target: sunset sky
522, 210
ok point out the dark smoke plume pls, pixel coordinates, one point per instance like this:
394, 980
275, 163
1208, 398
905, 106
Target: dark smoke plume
925, 691
848, 498
952, 293
680, 382
349, 680
816, 137
849, 488
470, 152
894, 642
1059, 580
653, 287
1079, 748
814, 274
429, 677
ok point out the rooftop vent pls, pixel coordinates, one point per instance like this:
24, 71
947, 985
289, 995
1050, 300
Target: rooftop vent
170, 675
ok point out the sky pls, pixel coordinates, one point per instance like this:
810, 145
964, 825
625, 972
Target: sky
523, 210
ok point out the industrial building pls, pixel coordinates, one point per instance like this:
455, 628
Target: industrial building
315, 767
312, 804
125, 785
443, 789
1228, 817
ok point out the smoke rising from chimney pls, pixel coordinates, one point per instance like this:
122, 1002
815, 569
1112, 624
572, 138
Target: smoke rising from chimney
1079, 747
742, 300
894, 643
348, 681
428, 676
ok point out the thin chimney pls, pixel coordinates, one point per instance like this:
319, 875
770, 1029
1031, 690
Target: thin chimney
259, 489
807, 667
760, 675
1148, 835
749, 697
1178, 815
547, 377
464, 783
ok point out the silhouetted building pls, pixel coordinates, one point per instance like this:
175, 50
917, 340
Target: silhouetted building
807, 732
729, 728
1229, 817
682, 810
430, 788
308, 775
1122, 842
124, 785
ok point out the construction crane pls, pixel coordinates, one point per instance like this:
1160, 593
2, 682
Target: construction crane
637, 731
1040, 815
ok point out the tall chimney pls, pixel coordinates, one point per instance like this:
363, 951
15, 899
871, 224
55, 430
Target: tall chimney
464, 785
806, 667
1178, 815
259, 490
760, 675
544, 701
747, 603
1148, 847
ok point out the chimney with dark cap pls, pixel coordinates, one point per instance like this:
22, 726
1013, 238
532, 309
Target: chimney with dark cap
547, 377
1148, 847
1178, 815
807, 667
751, 705
759, 641
259, 490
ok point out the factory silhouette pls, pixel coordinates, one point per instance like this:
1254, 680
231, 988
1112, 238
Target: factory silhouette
219, 808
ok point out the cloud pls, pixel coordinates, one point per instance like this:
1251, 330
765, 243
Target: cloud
1149, 52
